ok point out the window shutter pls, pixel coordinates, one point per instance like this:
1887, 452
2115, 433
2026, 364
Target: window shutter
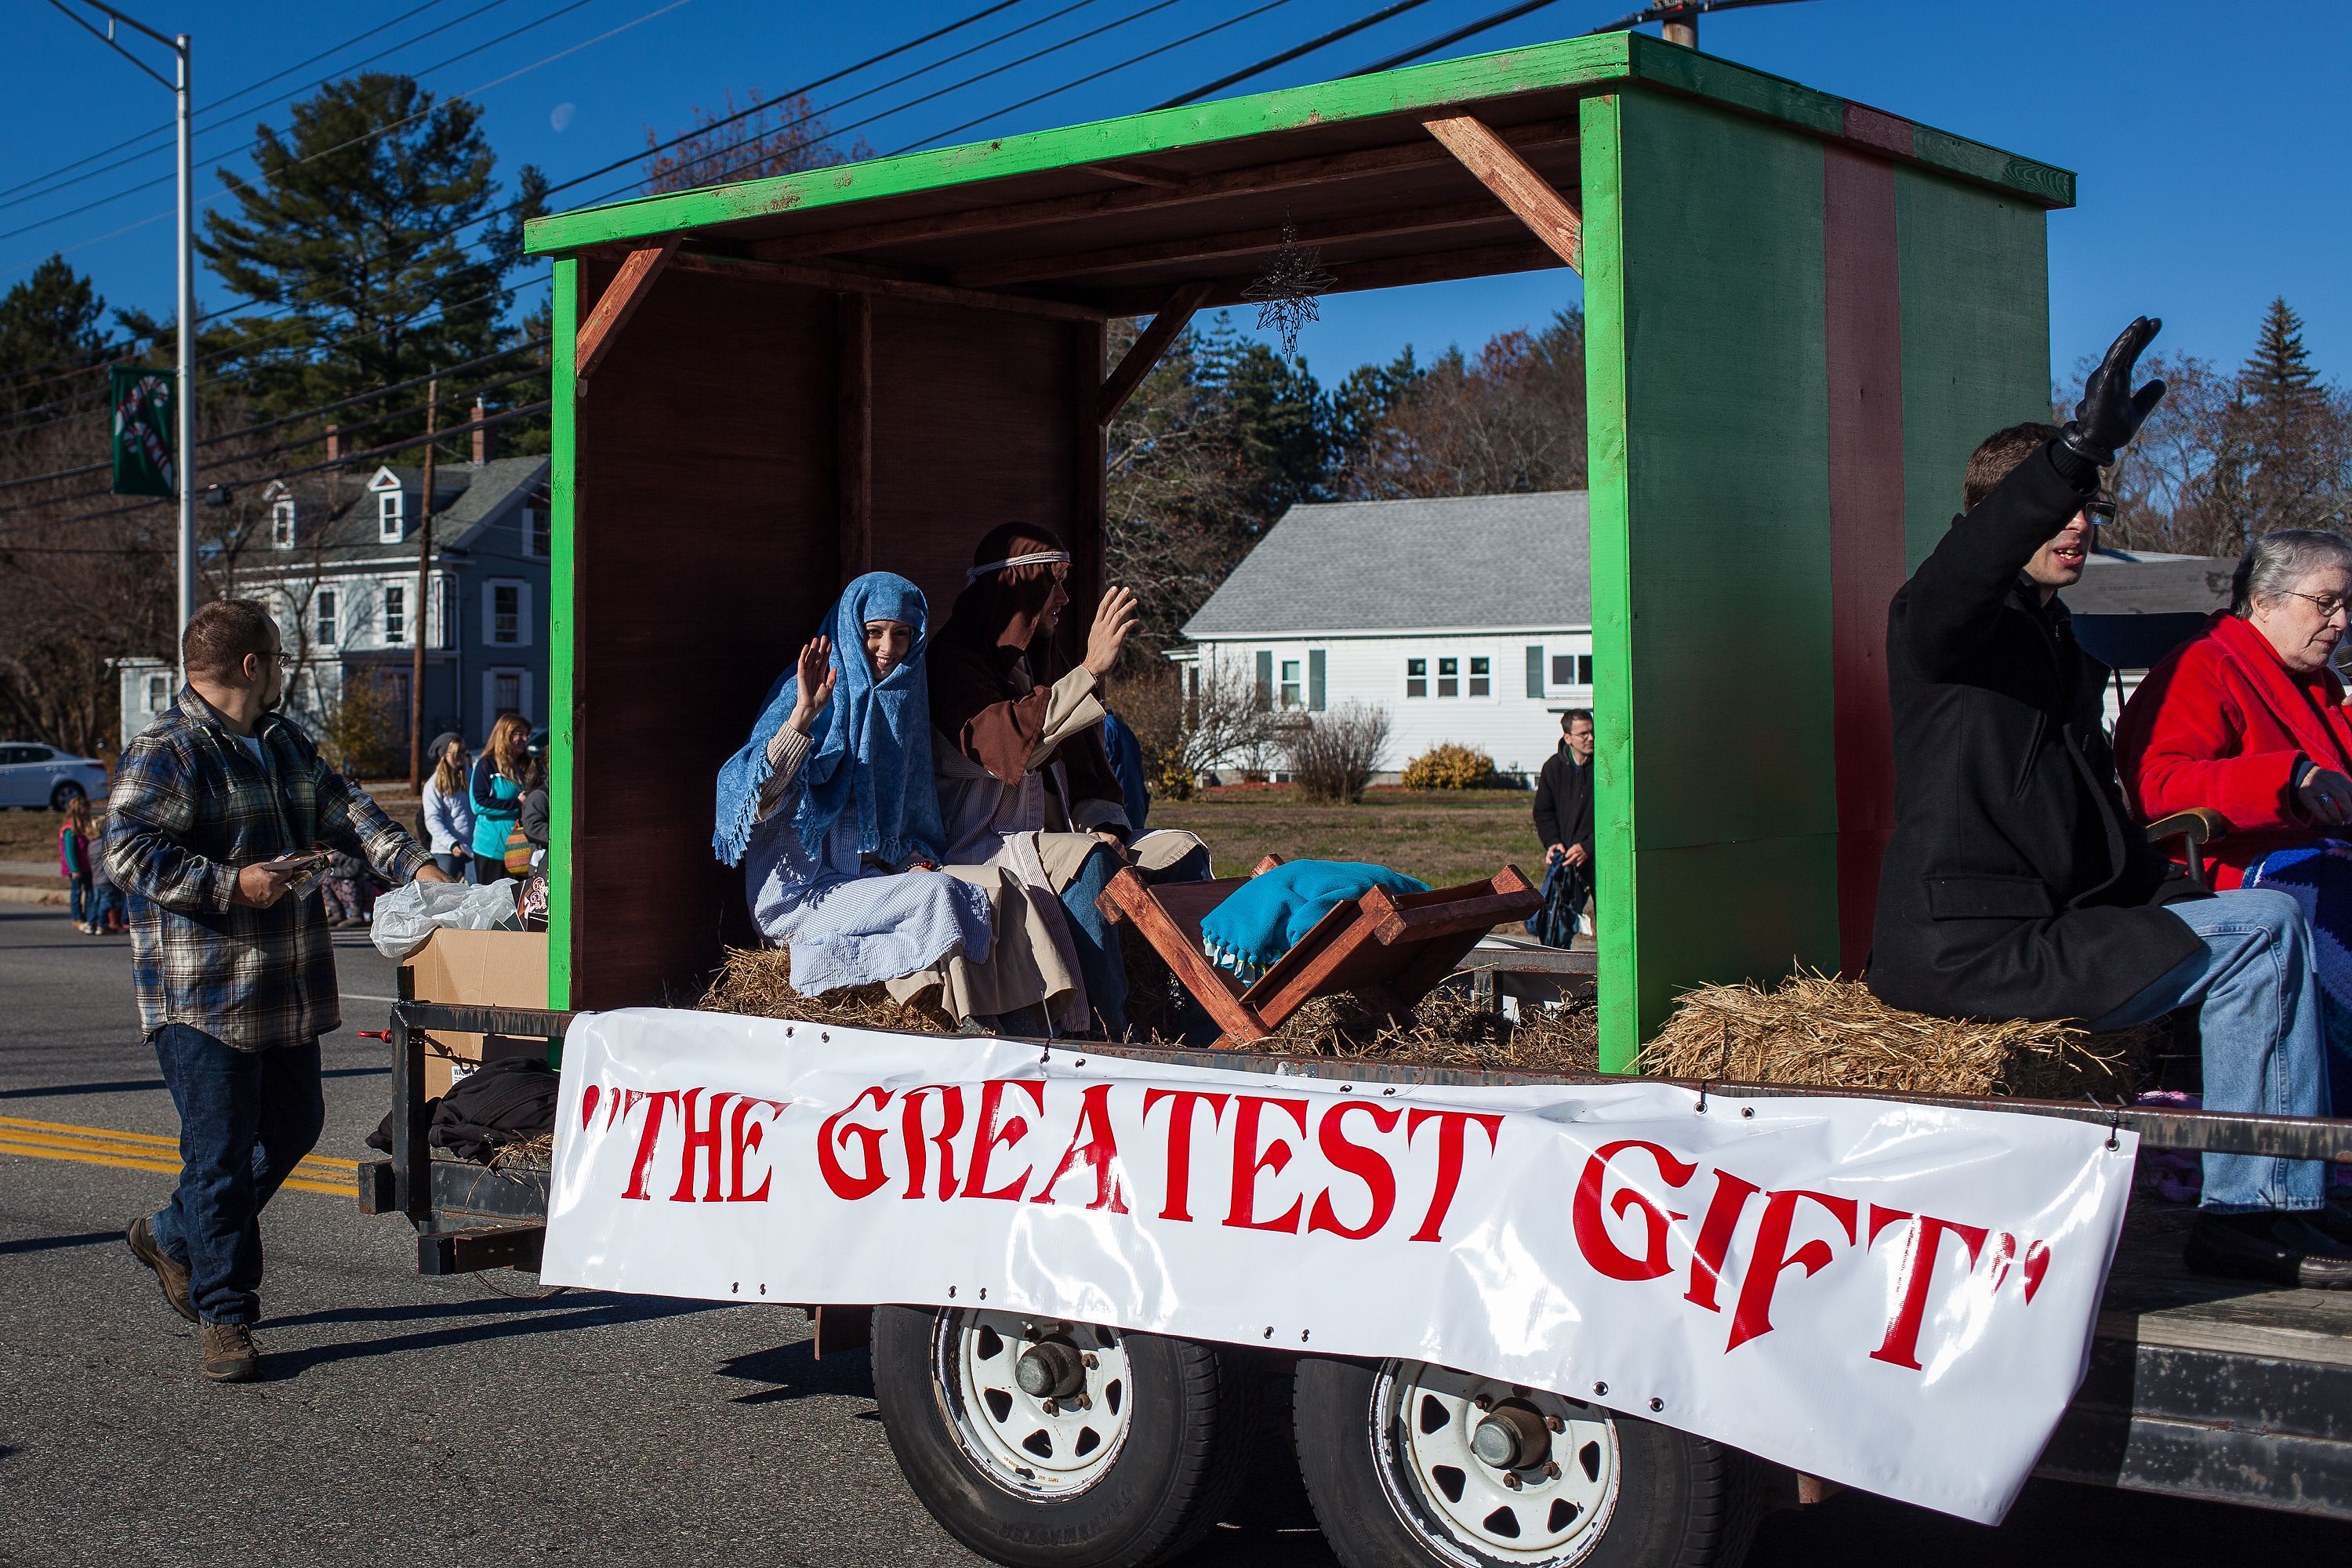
1265, 677
1315, 679
1535, 673
522, 615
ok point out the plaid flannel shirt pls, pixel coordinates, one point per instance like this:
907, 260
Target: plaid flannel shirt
189, 809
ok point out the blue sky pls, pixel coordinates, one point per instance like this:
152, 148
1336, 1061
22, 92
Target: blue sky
2211, 140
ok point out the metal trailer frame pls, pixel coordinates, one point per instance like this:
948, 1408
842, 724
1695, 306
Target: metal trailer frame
2251, 1404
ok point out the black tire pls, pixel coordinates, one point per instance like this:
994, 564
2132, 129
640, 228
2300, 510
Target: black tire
1188, 1442
1678, 1501
62, 797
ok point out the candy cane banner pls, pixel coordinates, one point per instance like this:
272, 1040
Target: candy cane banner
1896, 1297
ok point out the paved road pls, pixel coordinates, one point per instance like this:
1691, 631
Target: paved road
432, 1423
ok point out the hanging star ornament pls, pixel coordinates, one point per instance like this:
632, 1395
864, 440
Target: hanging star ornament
1286, 293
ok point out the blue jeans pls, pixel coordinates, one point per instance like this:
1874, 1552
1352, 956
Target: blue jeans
104, 901
247, 1118
2263, 1034
78, 903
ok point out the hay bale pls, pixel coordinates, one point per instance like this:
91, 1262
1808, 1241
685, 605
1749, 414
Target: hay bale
1818, 1029
1446, 1029
759, 981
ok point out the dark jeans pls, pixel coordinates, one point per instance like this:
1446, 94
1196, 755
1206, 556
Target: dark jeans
247, 1118
489, 869
78, 903
1100, 962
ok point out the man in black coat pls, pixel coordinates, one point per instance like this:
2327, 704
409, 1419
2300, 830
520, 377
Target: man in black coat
2018, 885
1564, 804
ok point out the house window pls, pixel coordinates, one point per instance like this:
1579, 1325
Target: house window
388, 516
395, 612
534, 533
1290, 692
1571, 669
322, 617
506, 614
1449, 678
506, 691
1482, 683
1416, 678
159, 693
281, 524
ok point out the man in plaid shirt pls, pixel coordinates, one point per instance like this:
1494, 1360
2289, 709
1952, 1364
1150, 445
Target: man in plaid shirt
234, 967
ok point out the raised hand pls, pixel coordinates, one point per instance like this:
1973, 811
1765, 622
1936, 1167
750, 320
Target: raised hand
1114, 618
815, 678
2111, 412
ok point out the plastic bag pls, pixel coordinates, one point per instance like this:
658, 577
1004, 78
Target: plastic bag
406, 916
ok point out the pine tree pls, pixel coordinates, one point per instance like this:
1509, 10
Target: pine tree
352, 224
2280, 466
49, 323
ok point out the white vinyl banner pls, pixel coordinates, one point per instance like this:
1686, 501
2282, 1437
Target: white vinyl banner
1895, 1297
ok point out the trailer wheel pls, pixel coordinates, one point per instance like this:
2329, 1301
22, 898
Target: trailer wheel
1053, 1445
1413, 1465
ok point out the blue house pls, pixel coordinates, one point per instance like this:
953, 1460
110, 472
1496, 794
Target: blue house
338, 566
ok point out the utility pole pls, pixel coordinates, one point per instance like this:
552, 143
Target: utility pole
419, 617
185, 386
1681, 28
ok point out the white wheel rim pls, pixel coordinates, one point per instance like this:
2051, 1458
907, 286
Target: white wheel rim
1031, 1446
1466, 1509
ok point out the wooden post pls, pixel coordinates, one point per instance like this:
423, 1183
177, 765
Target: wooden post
416, 622
1552, 216
1088, 482
855, 316
620, 301
1144, 353
1681, 28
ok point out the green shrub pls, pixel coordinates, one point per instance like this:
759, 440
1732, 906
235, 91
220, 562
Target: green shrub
1450, 767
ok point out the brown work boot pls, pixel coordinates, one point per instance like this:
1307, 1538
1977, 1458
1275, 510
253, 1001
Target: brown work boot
169, 1272
229, 1354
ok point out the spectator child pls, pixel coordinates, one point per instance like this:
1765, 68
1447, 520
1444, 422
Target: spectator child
73, 865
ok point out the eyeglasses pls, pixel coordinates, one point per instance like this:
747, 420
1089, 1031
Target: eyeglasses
2099, 511
2330, 605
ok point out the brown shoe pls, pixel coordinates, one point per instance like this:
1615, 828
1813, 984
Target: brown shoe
229, 1354
169, 1272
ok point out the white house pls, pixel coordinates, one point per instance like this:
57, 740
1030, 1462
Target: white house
1468, 619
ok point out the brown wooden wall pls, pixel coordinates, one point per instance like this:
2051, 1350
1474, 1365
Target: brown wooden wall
717, 514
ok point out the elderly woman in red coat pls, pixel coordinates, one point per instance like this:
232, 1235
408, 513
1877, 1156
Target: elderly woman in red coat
2248, 719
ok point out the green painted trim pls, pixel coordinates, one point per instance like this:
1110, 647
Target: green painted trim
562, 634
1612, 583
1588, 62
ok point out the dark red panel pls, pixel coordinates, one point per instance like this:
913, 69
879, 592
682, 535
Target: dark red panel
1862, 279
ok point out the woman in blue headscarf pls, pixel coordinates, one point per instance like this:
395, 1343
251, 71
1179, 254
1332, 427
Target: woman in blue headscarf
831, 810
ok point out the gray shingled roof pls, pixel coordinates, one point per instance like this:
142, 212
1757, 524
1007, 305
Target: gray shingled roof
2118, 585
464, 496
1483, 561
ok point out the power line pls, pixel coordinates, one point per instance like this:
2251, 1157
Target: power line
1106, 70
1308, 47
1406, 56
223, 103
827, 79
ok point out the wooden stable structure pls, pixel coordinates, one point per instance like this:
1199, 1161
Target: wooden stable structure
1801, 315
1388, 950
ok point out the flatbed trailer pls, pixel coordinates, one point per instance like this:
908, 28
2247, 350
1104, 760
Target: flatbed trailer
1801, 314
2201, 1388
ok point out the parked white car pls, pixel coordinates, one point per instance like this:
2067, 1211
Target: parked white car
37, 775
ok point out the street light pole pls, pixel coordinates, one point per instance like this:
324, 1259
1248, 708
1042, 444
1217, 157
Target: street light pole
185, 387
187, 377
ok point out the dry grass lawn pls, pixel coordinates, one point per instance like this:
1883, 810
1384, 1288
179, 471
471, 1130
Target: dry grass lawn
1442, 837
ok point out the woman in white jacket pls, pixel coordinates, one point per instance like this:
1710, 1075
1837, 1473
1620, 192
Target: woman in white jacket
448, 809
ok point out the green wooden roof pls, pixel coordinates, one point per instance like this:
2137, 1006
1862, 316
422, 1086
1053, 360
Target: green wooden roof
1109, 215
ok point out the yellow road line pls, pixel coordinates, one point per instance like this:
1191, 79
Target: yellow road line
149, 1152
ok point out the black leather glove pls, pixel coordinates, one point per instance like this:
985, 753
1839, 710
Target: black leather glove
2111, 412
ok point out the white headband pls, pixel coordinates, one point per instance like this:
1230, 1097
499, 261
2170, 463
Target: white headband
1034, 558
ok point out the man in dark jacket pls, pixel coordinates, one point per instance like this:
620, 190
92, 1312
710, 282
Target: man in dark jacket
1564, 805
2017, 884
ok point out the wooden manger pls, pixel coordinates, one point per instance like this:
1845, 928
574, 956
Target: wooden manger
1389, 950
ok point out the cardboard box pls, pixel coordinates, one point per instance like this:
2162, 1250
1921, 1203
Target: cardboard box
479, 969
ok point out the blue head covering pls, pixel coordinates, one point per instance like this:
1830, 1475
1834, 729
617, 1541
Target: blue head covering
873, 741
